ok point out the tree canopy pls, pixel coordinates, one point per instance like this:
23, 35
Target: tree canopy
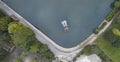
21, 35
116, 32
35, 48
4, 21
117, 4
15, 33
24, 37
17, 60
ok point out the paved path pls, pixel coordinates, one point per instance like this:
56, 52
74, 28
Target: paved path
17, 52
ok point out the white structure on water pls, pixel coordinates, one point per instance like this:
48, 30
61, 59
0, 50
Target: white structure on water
65, 25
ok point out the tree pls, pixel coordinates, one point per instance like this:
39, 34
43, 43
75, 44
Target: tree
46, 57
34, 60
116, 32
24, 37
96, 31
35, 48
17, 60
117, 4
21, 35
4, 21
43, 48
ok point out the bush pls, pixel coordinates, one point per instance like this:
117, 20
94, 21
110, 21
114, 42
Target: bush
35, 48
116, 32
24, 37
4, 21
96, 31
21, 36
17, 60
111, 14
34, 60
117, 4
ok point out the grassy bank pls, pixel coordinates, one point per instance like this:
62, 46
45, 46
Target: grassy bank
104, 41
112, 52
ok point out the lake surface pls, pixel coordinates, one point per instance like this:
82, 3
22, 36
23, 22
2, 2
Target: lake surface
82, 17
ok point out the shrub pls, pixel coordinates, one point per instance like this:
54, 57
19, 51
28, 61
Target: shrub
111, 14
96, 31
116, 32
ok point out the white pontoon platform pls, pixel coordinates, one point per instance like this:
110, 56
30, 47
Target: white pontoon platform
65, 25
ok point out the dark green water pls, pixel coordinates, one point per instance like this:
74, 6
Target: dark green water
82, 16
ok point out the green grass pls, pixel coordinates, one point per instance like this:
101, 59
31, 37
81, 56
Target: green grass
104, 45
93, 49
112, 52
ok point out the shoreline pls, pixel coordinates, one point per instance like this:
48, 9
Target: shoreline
55, 48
